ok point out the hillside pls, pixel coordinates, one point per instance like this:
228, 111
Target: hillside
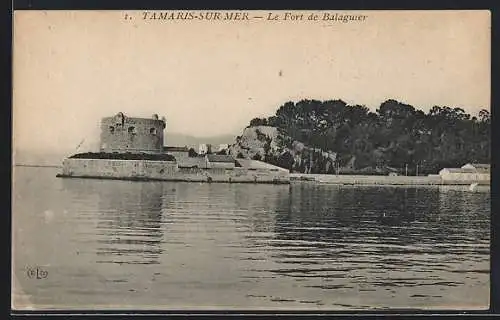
314, 136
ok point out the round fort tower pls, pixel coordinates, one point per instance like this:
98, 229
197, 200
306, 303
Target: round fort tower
135, 135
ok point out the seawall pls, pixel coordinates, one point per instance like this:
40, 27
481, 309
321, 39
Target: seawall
379, 180
145, 170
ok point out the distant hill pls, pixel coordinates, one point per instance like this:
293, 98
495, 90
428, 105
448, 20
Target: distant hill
38, 158
179, 139
55, 158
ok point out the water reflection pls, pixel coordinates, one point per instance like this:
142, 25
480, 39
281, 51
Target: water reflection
130, 226
335, 234
272, 246
340, 214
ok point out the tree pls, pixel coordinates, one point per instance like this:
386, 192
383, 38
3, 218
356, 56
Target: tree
192, 153
258, 122
257, 156
396, 134
484, 116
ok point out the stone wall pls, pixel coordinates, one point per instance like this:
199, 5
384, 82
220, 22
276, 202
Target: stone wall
166, 170
381, 180
224, 165
118, 168
124, 134
180, 156
199, 162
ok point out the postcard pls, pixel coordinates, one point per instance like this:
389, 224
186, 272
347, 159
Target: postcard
251, 160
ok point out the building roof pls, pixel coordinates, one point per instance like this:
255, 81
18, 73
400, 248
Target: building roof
484, 166
460, 170
478, 167
123, 156
176, 149
220, 158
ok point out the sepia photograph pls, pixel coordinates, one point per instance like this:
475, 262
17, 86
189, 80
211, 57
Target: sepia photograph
251, 160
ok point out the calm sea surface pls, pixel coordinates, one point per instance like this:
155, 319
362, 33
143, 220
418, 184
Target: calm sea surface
100, 244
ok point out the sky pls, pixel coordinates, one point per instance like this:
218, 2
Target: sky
210, 78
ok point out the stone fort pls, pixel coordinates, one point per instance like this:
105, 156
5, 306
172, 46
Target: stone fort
135, 135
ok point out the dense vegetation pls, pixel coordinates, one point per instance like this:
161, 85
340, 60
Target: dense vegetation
396, 135
123, 156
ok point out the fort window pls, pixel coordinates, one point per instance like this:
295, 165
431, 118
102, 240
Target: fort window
152, 131
132, 130
111, 129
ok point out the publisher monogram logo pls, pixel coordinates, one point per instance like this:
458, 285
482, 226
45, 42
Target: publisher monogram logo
36, 273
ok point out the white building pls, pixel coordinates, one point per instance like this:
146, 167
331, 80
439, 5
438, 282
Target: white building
223, 146
480, 167
204, 148
467, 173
